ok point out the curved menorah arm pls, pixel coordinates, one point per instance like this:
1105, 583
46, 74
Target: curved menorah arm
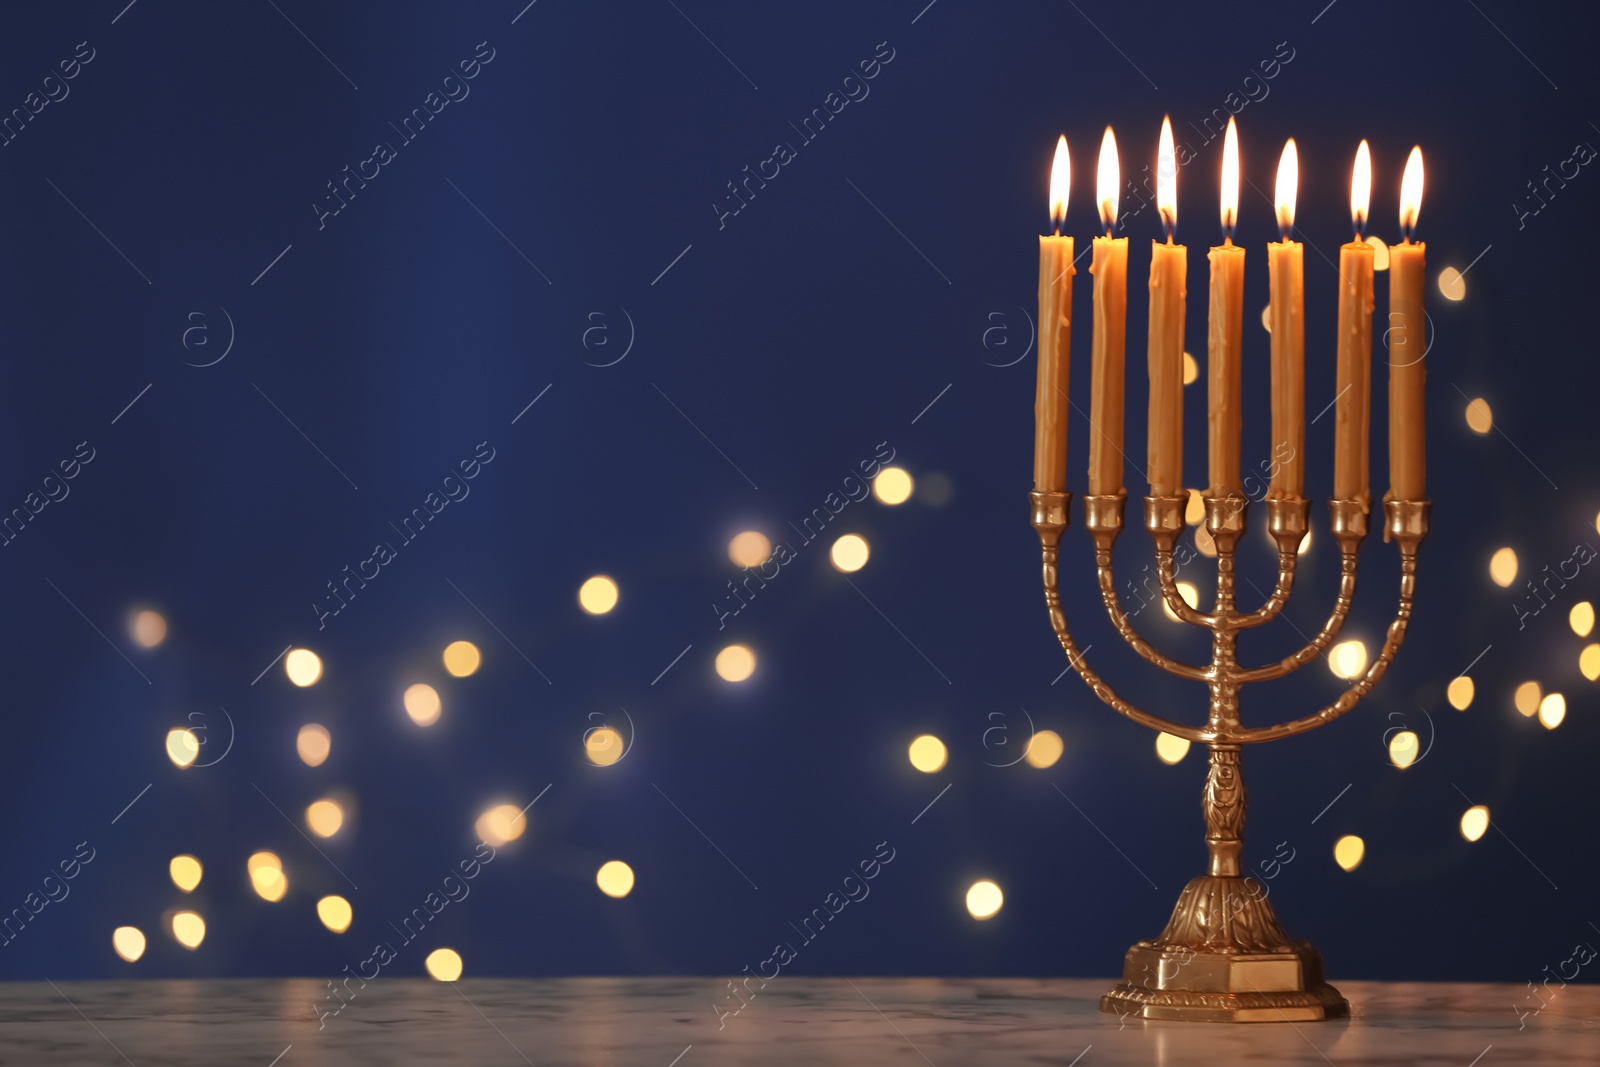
1318, 644
1050, 519
1225, 522
1407, 523
1349, 530
1119, 619
1103, 519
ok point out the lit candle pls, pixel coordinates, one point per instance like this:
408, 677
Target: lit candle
1226, 332
1110, 270
1287, 311
1353, 405
1407, 344
1055, 336
1169, 266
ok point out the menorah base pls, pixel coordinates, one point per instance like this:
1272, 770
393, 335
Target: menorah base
1224, 959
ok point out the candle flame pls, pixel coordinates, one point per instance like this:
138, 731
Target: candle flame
1361, 187
1288, 183
1230, 179
1167, 179
1060, 183
1411, 193
1108, 181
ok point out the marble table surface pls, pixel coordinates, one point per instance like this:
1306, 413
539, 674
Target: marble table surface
671, 1022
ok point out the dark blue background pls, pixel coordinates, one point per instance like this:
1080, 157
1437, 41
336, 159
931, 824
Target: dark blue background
797, 337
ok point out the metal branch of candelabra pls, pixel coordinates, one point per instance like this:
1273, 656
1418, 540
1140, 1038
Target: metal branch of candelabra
1223, 957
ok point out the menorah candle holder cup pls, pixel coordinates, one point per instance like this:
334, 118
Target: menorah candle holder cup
1223, 957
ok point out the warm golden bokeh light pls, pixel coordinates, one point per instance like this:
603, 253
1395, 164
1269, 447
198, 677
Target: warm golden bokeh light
1552, 709
1474, 822
849, 553
614, 878
1589, 662
1171, 748
1348, 659
149, 629
1205, 543
266, 876
270, 884
736, 663
186, 872
1044, 748
1526, 698
1380, 253
335, 913
1403, 748
749, 549
422, 704
443, 964
1581, 618
1460, 692
263, 861
182, 746
928, 754
313, 742
1194, 508
598, 595
1191, 369
189, 929
1503, 567
1190, 595
1452, 285
984, 899
128, 941
893, 485
303, 667
1349, 851
1266, 319
1480, 417
462, 658
324, 817
501, 825
603, 745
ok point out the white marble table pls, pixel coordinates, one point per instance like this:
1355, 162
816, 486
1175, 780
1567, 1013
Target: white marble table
793, 1022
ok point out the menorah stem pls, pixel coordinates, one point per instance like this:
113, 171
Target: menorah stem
1224, 605
1224, 802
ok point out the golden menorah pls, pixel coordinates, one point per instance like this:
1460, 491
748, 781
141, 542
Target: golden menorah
1223, 957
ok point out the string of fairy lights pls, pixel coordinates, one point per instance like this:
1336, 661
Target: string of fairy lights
504, 822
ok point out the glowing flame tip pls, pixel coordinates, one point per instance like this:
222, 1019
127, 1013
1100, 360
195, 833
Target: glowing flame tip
1288, 184
1167, 179
1230, 179
1108, 180
1411, 193
1060, 183
1361, 187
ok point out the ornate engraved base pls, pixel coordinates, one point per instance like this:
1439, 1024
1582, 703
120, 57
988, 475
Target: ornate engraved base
1224, 958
